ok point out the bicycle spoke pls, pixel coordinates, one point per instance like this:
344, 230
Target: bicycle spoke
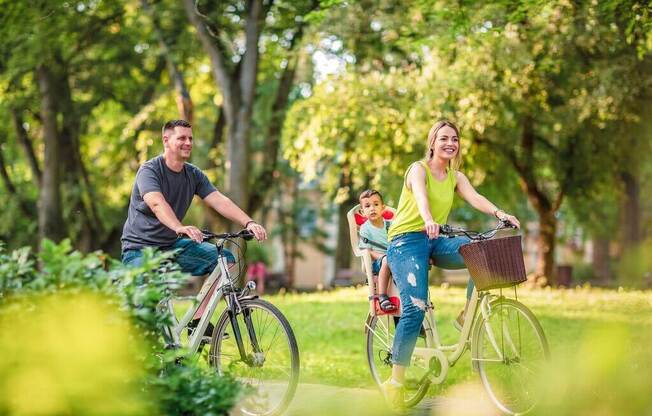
510, 380
268, 367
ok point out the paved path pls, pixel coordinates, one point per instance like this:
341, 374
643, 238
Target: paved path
323, 400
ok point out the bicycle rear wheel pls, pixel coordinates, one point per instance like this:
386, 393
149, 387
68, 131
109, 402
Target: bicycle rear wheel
380, 337
271, 357
510, 349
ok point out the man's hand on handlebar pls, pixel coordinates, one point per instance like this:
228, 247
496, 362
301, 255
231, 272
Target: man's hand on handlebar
258, 231
191, 231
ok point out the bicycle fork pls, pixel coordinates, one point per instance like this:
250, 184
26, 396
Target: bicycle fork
486, 311
257, 359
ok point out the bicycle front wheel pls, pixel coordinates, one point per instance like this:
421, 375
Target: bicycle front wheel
509, 349
380, 338
268, 362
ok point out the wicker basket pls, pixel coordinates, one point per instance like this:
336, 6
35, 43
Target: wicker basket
495, 263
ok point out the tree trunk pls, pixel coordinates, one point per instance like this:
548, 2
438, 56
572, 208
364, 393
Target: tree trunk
50, 218
600, 258
343, 249
183, 99
265, 180
286, 217
542, 202
631, 212
238, 87
75, 174
26, 144
237, 155
545, 266
26, 207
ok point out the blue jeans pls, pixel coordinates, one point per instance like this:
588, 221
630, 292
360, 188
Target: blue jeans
194, 258
408, 257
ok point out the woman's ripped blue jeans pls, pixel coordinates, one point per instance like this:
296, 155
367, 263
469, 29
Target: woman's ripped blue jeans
408, 256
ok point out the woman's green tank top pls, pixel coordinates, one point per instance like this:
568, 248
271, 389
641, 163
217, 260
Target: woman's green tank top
440, 199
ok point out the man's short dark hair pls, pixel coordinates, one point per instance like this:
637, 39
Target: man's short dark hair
369, 193
170, 125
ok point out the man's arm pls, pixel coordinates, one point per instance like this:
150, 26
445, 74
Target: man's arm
163, 211
227, 208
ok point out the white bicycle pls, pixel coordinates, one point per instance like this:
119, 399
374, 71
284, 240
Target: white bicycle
507, 343
251, 339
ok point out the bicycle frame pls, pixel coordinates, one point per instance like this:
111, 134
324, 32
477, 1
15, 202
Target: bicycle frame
448, 355
218, 279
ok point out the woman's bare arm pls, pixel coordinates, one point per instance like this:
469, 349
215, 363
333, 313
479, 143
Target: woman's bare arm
416, 181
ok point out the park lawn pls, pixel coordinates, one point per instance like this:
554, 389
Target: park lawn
329, 326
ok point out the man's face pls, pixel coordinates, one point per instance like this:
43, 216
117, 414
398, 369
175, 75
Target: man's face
178, 142
372, 207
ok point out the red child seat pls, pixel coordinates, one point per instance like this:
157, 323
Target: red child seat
356, 219
361, 219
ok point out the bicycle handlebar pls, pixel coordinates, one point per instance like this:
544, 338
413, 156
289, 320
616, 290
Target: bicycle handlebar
450, 231
246, 234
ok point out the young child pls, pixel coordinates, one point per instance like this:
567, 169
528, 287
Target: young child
373, 235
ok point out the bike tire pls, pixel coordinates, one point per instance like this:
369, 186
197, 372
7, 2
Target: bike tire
511, 330
223, 354
379, 339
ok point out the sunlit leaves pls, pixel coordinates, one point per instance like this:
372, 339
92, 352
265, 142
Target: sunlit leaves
357, 123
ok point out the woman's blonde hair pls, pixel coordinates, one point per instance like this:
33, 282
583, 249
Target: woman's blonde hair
432, 135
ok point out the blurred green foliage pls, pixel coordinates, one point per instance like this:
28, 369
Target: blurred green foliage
71, 353
98, 320
602, 375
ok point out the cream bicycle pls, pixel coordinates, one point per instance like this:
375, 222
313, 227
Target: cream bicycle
508, 346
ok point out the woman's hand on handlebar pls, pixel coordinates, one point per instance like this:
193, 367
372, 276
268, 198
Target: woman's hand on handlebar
505, 217
191, 231
258, 231
432, 229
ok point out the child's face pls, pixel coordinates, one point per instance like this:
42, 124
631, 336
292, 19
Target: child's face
372, 207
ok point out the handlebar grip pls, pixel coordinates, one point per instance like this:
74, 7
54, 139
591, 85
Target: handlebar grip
445, 229
246, 234
507, 224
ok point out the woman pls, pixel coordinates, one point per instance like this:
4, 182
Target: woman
425, 202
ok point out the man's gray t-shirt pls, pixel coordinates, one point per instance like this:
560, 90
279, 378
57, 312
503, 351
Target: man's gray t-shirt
142, 228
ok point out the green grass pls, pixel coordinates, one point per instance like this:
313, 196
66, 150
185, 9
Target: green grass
598, 339
329, 326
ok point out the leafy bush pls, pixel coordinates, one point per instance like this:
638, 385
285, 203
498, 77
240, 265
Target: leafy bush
136, 292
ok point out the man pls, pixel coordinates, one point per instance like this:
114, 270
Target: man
161, 196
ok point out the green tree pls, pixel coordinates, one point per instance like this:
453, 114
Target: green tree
62, 61
537, 83
230, 35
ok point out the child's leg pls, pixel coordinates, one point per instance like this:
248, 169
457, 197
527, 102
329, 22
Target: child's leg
383, 276
383, 283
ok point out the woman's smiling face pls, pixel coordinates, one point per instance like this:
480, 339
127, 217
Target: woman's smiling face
446, 144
